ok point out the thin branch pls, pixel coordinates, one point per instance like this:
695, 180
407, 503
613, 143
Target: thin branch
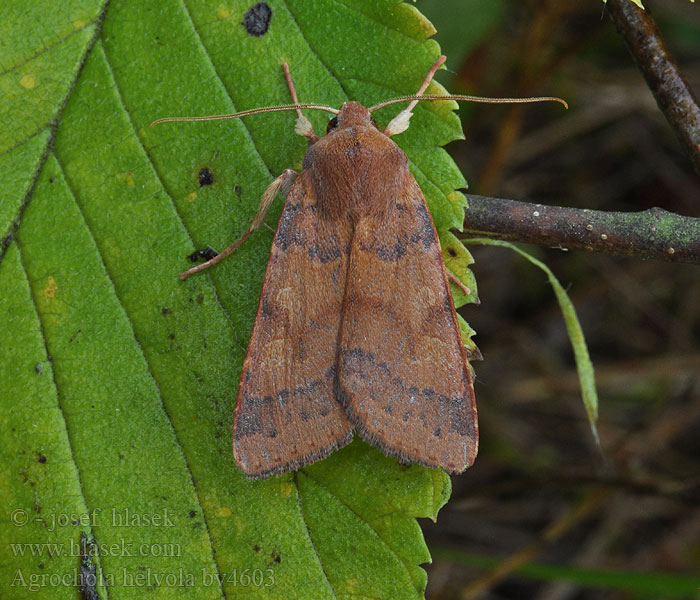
653, 233
666, 82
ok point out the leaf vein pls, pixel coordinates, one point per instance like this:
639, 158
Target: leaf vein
143, 354
364, 520
58, 396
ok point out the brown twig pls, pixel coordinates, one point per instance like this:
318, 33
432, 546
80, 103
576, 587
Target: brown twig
653, 233
666, 82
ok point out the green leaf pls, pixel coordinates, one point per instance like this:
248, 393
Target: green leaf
117, 380
584, 366
460, 36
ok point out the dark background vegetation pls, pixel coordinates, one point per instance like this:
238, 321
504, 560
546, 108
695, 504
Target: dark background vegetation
540, 491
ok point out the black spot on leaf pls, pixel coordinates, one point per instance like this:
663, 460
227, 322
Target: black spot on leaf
257, 19
207, 254
206, 177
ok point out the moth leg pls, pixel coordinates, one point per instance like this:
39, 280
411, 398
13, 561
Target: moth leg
281, 183
454, 279
303, 125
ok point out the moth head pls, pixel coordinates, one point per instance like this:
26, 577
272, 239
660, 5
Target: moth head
351, 114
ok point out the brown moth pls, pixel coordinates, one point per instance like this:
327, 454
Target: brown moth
356, 330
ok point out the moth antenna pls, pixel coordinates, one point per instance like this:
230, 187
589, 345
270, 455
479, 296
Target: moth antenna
401, 121
481, 99
252, 111
303, 126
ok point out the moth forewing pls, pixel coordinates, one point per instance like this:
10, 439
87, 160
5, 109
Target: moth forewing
402, 367
287, 414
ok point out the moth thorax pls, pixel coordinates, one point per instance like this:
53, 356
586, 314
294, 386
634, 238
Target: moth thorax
353, 113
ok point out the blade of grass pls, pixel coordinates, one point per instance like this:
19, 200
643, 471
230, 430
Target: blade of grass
656, 585
584, 366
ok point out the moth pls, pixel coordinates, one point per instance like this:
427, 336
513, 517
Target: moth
356, 329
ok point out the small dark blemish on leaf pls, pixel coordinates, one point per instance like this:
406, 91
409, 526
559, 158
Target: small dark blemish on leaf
192, 514
165, 311
42, 459
52, 179
452, 252
206, 177
275, 555
200, 299
171, 336
70, 341
256, 548
257, 19
207, 254
239, 190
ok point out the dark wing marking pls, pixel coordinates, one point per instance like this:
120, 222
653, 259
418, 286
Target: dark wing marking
402, 368
287, 413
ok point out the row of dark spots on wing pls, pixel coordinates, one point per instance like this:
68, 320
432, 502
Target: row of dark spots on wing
455, 409
290, 234
360, 363
287, 233
329, 251
410, 396
307, 391
249, 420
424, 235
268, 308
364, 365
426, 231
448, 306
